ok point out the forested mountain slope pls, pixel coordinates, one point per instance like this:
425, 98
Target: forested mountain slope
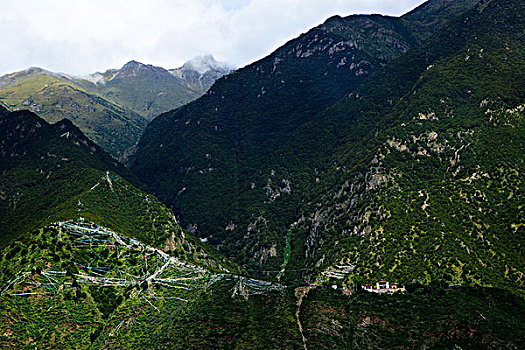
109, 267
251, 153
78, 240
427, 182
412, 174
52, 172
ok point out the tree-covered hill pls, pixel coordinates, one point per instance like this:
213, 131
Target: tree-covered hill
427, 183
304, 176
227, 137
287, 178
52, 172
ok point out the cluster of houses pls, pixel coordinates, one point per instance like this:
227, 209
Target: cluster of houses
384, 287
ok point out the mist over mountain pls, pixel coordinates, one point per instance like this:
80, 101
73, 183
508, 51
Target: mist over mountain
150, 90
201, 72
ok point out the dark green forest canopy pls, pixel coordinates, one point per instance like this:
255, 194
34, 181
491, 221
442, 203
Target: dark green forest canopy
405, 156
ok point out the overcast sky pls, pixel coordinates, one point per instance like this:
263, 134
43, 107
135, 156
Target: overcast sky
84, 36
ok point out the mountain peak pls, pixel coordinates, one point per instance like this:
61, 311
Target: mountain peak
132, 65
201, 72
202, 64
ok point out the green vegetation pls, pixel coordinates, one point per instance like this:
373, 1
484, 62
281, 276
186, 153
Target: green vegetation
55, 97
144, 89
430, 191
214, 320
431, 317
434, 15
286, 258
222, 151
72, 286
111, 108
70, 279
413, 174
54, 173
43, 166
406, 167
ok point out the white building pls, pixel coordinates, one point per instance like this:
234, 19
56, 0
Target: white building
384, 286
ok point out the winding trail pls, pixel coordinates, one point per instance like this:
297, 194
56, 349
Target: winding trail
300, 293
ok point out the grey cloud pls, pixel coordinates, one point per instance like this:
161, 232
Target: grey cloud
83, 36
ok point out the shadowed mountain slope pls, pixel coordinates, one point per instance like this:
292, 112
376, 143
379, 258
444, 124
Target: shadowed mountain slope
251, 151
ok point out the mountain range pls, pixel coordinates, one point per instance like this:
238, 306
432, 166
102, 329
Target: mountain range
371, 149
95, 262
111, 108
